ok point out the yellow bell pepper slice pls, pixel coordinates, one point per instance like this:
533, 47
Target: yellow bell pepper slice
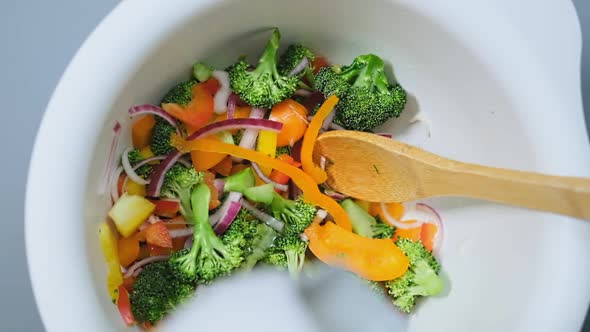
267, 145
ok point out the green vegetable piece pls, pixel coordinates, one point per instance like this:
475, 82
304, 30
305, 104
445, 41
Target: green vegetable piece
261, 194
202, 72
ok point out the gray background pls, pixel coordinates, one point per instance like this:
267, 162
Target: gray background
38, 39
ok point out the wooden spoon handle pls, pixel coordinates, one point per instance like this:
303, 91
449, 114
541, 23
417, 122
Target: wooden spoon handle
559, 194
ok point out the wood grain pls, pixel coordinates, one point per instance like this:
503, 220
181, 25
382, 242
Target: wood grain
378, 169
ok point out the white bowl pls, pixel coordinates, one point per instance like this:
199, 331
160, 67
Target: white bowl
498, 85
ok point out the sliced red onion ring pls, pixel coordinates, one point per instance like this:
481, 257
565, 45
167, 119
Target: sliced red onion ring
231, 105
399, 224
185, 163
220, 98
388, 135
174, 233
249, 136
300, 67
157, 177
109, 167
115, 184
328, 121
334, 126
142, 263
264, 217
294, 191
219, 184
322, 214
323, 162
296, 150
189, 242
129, 169
147, 161
224, 208
155, 110
263, 177
335, 195
437, 220
178, 222
228, 218
302, 93
137, 272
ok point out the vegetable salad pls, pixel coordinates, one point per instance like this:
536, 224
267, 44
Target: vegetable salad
220, 179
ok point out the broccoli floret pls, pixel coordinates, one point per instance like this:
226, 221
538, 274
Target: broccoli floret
237, 137
367, 98
293, 57
181, 94
289, 248
252, 236
178, 183
421, 278
296, 215
157, 291
161, 135
283, 150
209, 257
329, 82
239, 181
382, 230
134, 158
294, 248
263, 86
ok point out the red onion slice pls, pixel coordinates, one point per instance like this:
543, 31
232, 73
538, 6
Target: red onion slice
399, 224
334, 126
115, 184
264, 217
147, 161
185, 163
302, 93
328, 121
388, 135
335, 195
142, 263
296, 150
263, 177
157, 177
189, 242
219, 184
129, 170
154, 110
223, 209
250, 135
222, 95
109, 167
174, 233
231, 105
437, 220
228, 218
299, 67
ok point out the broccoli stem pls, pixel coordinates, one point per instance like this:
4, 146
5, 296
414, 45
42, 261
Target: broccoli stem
267, 62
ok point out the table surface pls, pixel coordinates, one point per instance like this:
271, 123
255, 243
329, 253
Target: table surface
43, 36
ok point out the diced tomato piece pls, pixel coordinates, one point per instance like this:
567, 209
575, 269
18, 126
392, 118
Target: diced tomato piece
224, 167
318, 63
427, 235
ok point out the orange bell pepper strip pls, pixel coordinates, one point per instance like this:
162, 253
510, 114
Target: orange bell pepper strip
141, 132
310, 137
372, 259
311, 193
198, 112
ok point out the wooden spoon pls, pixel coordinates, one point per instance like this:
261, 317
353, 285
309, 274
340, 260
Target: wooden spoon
379, 169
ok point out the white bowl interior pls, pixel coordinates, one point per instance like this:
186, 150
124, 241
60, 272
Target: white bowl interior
477, 112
